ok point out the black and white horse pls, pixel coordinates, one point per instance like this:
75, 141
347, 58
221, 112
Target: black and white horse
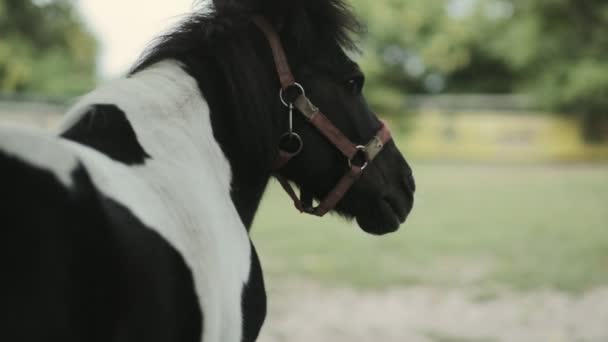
132, 223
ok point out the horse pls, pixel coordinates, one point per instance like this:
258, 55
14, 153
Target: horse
131, 223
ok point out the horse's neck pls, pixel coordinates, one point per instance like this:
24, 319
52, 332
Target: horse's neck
175, 126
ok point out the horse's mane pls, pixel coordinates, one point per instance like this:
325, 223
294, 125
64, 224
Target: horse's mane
334, 19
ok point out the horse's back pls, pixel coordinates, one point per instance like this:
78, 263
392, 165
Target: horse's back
78, 265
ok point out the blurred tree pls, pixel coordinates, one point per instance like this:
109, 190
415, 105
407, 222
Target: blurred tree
554, 50
428, 47
44, 49
559, 49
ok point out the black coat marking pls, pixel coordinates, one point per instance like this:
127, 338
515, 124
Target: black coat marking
254, 300
105, 128
77, 266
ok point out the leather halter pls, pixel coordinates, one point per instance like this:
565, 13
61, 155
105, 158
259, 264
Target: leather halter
325, 127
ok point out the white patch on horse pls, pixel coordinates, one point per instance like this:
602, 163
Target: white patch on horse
182, 191
38, 148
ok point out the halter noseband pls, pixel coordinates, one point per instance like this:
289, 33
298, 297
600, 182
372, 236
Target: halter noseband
287, 151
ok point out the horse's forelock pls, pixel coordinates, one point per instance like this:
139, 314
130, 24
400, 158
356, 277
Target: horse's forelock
334, 18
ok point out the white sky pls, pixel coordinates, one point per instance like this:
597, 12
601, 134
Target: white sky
125, 27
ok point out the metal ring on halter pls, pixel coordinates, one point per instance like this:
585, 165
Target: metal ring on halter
295, 84
361, 149
291, 135
290, 118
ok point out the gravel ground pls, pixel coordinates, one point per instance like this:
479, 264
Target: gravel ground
301, 311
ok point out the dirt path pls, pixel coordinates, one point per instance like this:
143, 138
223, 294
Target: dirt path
306, 312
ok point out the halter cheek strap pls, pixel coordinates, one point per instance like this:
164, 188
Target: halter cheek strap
367, 152
280, 59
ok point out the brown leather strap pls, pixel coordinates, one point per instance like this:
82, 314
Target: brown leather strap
282, 159
334, 135
333, 197
280, 58
331, 200
322, 123
346, 182
289, 190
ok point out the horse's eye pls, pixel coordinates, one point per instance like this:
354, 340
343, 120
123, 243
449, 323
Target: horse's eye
355, 85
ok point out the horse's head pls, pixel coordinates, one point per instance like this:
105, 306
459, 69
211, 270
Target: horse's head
315, 35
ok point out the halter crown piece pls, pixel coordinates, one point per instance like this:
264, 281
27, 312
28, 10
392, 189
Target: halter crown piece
291, 144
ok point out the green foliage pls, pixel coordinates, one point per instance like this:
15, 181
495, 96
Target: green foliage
557, 49
428, 46
553, 50
419, 47
44, 49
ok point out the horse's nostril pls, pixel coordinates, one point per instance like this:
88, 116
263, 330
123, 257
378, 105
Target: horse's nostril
410, 182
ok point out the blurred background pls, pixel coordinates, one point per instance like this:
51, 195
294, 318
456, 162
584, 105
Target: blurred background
500, 105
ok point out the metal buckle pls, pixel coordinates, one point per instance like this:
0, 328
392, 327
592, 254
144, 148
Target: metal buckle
296, 84
288, 137
363, 150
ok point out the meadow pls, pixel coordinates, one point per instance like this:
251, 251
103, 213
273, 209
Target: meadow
522, 227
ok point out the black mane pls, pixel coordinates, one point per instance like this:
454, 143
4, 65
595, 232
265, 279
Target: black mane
304, 21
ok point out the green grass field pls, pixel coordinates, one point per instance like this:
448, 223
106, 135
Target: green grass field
522, 227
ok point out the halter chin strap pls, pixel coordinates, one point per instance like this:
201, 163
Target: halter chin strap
367, 152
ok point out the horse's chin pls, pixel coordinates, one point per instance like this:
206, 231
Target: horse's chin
383, 217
